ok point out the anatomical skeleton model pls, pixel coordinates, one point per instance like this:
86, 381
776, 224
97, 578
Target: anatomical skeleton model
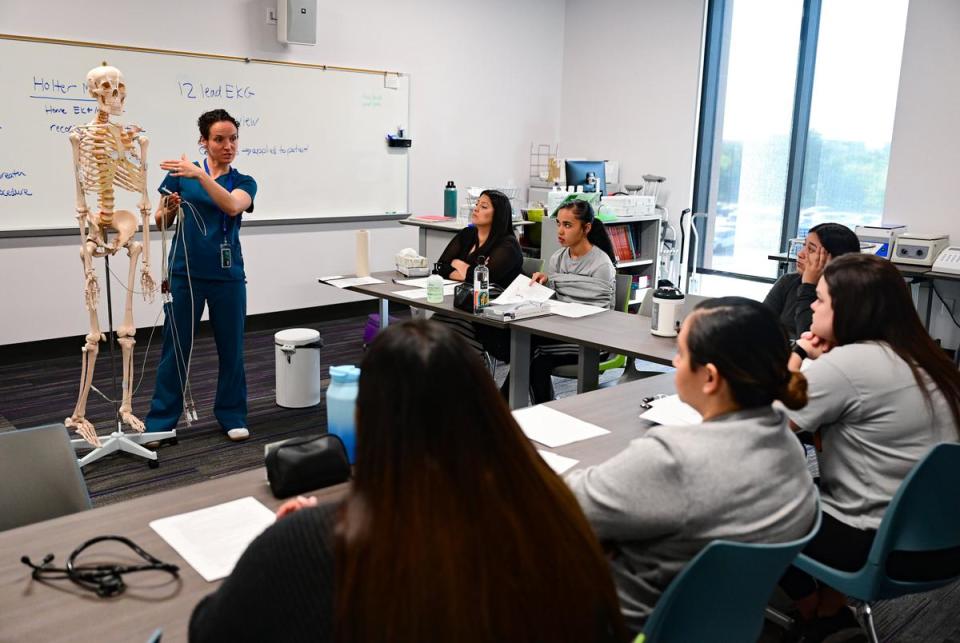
106, 156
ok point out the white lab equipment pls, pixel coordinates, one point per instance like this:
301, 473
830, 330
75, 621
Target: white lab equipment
879, 239
948, 261
666, 314
919, 249
297, 356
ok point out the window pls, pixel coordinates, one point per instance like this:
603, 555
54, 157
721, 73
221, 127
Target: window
796, 120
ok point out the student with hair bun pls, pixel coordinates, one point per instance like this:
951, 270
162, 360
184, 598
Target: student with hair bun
739, 475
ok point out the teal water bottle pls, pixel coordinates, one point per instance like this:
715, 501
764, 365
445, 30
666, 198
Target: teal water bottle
341, 406
450, 200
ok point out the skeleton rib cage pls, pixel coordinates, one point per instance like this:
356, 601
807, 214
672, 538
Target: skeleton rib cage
108, 158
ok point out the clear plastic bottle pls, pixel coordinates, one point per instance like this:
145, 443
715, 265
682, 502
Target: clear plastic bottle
481, 285
435, 286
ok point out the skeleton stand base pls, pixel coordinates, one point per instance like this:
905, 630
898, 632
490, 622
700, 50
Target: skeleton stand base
126, 443
118, 441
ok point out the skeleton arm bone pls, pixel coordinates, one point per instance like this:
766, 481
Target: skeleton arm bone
81, 200
146, 279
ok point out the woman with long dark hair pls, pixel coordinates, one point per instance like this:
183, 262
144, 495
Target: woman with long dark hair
740, 475
791, 296
882, 393
454, 529
489, 238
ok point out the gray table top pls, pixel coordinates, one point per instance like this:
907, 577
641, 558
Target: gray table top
36, 612
614, 331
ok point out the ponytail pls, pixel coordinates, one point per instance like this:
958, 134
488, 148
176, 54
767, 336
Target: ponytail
598, 236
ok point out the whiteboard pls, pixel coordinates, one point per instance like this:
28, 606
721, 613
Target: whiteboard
314, 139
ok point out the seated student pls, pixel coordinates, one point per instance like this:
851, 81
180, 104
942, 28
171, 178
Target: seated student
740, 475
881, 394
454, 529
581, 271
791, 296
489, 235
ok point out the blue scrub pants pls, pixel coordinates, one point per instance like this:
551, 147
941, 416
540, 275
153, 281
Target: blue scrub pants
227, 303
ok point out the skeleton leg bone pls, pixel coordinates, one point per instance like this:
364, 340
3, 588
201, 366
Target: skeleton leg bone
91, 347
125, 337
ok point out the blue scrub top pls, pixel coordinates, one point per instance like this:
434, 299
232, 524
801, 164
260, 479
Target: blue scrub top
204, 249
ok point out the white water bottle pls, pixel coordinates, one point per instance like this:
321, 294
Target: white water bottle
481, 285
435, 286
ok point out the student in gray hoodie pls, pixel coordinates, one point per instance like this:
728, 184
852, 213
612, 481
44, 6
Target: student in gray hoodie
739, 475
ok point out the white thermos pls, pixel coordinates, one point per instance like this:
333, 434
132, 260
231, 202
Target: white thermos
667, 308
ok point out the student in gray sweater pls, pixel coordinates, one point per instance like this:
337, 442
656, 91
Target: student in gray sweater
791, 296
581, 271
740, 475
881, 395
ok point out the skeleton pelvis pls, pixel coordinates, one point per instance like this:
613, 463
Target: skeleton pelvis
123, 222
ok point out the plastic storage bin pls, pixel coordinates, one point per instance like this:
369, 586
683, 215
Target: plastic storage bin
297, 352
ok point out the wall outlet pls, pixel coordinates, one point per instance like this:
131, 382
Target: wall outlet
272, 16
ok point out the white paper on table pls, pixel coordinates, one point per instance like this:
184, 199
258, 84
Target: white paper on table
419, 282
552, 428
522, 290
671, 411
421, 293
211, 540
558, 463
573, 310
354, 281
329, 277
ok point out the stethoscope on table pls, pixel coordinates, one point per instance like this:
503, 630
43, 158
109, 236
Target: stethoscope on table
104, 580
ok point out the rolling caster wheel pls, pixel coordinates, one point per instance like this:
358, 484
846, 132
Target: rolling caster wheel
153, 464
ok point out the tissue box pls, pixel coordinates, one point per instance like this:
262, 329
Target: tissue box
411, 264
414, 271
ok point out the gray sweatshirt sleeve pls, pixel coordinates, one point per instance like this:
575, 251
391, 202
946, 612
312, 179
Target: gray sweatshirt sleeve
635, 495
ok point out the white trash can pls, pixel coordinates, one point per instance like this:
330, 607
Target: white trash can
298, 367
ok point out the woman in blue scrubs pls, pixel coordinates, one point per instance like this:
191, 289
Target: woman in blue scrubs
206, 268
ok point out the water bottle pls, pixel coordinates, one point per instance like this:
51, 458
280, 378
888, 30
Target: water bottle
481, 285
341, 406
450, 200
435, 286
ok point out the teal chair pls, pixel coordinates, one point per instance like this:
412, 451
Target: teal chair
722, 593
920, 530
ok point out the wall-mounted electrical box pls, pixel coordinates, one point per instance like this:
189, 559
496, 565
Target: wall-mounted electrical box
297, 21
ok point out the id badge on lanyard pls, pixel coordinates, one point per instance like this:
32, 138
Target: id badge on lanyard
226, 251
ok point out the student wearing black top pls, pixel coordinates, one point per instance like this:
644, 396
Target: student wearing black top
453, 528
489, 235
791, 296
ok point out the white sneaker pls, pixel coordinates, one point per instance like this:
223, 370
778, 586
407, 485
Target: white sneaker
238, 434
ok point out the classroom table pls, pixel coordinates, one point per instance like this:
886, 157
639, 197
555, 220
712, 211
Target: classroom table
612, 331
59, 611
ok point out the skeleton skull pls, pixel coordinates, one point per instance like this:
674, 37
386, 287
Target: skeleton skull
105, 83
